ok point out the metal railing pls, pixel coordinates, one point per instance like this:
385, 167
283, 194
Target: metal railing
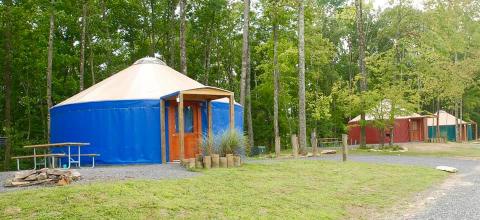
329, 142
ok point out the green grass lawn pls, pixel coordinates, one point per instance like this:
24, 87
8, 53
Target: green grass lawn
283, 189
468, 151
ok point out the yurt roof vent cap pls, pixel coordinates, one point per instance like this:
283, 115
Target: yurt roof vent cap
149, 60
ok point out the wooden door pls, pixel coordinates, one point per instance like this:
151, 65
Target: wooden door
414, 130
193, 129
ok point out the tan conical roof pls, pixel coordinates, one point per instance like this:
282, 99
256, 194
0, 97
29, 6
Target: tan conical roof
147, 78
444, 119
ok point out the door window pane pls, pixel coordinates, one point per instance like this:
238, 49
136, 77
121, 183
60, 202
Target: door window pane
187, 117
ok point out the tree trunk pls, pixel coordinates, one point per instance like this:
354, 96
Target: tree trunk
301, 79
152, 28
463, 133
249, 104
107, 33
246, 24
82, 47
457, 128
276, 77
49, 67
183, 48
392, 135
206, 62
382, 137
92, 68
7, 77
171, 36
437, 134
361, 63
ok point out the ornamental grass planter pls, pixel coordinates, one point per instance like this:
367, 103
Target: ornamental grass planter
229, 160
237, 161
215, 160
191, 163
198, 164
184, 162
207, 162
223, 162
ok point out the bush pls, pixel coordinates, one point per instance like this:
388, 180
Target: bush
391, 148
232, 142
206, 146
366, 147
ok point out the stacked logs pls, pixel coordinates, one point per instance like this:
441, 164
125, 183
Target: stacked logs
213, 161
44, 176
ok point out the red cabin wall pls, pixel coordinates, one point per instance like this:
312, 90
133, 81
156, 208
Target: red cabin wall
401, 132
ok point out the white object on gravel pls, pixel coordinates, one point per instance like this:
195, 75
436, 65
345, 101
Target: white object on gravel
447, 169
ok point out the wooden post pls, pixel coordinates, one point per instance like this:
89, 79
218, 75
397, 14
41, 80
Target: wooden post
210, 126
425, 130
295, 145
162, 132
232, 112
476, 131
181, 127
314, 144
345, 147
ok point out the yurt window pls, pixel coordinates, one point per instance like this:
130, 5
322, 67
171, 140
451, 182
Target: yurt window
188, 119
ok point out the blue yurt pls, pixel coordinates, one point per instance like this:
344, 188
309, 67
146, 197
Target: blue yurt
135, 116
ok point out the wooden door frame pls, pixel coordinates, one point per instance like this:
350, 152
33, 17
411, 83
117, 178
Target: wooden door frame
173, 116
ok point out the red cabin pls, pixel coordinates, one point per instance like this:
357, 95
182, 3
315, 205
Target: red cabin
407, 128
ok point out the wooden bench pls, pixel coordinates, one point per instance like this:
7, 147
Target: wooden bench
35, 159
84, 155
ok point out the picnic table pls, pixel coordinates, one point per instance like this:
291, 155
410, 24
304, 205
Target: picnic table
69, 145
3, 141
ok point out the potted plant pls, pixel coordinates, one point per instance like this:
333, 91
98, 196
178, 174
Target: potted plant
206, 147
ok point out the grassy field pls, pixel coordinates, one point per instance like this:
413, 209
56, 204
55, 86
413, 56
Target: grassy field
456, 150
284, 189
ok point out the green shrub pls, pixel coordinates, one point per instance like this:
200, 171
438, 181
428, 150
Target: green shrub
391, 148
206, 146
230, 142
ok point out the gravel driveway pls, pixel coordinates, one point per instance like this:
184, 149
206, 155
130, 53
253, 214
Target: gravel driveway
113, 173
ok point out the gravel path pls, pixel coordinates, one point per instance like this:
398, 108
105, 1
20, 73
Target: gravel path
113, 173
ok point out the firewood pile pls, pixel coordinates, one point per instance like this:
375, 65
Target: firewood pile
43, 176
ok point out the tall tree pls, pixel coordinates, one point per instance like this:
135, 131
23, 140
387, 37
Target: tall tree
302, 123
361, 63
7, 77
92, 65
152, 27
276, 78
245, 57
172, 4
249, 104
82, 46
183, 48
49, 65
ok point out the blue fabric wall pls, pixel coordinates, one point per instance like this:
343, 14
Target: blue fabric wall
449, 132
124, 132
